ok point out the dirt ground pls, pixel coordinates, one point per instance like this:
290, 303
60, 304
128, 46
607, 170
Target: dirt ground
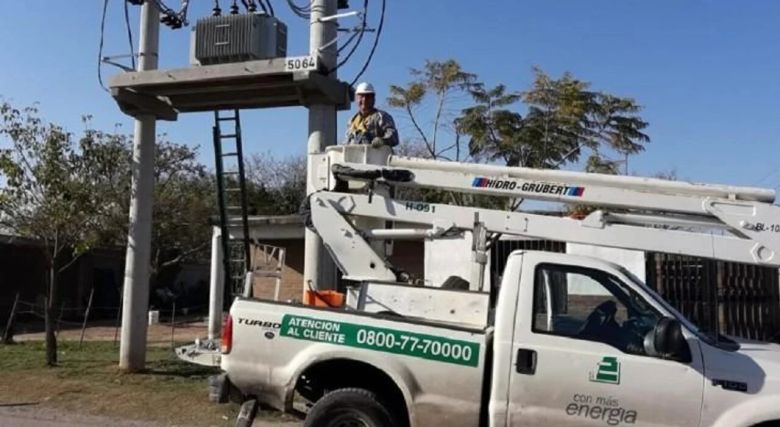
36, 416
185, 330
41, 414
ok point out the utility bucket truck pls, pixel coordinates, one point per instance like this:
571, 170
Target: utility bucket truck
563, 340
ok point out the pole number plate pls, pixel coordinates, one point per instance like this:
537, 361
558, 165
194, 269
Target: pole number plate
300, 63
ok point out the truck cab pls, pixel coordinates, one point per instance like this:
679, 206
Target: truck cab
582, 341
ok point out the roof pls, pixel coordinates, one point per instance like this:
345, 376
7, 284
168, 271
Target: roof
260, 220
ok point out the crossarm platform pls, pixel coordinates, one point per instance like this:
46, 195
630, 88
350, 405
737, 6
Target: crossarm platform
254, 84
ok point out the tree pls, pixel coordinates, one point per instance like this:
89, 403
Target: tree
277, 186
494, 130
597, 164
46, 197
436, 86
568, 117
615, 123
444, 81
184, 199
564, 118
557, 119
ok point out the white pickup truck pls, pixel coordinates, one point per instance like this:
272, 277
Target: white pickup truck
571, 341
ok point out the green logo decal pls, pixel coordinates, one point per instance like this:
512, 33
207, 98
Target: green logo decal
608, 371
380, 339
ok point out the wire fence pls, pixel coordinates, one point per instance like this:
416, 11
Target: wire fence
27, 319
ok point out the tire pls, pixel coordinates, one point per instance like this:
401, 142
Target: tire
218, 388
349, 407
246, 415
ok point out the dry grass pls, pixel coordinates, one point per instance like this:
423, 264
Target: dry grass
88, 381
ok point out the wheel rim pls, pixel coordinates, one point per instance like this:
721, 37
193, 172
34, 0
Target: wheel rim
348, 419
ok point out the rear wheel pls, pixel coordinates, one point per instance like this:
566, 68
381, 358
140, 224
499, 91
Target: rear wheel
349, 407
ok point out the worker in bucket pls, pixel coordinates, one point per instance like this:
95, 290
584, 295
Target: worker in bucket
370, 125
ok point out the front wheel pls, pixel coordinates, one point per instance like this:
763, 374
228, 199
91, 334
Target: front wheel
349, 407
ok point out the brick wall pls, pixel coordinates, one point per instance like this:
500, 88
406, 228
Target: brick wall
292, 273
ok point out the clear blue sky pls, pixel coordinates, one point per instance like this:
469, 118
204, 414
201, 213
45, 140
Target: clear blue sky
706, 71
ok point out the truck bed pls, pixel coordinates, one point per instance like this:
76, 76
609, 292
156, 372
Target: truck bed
439, 367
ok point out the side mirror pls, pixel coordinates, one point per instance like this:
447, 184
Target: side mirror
667, 341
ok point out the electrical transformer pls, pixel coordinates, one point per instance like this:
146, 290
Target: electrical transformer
239, 38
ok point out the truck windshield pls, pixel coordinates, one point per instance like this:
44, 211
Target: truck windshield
713, 339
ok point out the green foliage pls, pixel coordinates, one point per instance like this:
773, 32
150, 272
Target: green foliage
556, 126
74, 196
614, 122
184, 198
87, 382
494, 130
443, 81
564, 118
45, 195
596, 164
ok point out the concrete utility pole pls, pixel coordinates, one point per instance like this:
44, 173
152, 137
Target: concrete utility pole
322, 133
132, 350
216, 286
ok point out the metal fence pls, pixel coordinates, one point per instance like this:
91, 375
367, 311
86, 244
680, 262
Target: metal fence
735, 299
28, 317
501, 249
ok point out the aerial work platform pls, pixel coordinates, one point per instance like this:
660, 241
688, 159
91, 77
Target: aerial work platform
266, 83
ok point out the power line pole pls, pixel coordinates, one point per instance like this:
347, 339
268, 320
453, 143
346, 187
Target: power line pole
132, 350
322, 130
216, 285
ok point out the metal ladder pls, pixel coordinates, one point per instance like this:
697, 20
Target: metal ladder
231, 194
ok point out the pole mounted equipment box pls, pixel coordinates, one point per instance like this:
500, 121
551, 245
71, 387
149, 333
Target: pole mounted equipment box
239, 38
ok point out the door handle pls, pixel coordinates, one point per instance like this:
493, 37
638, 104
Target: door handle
526, 361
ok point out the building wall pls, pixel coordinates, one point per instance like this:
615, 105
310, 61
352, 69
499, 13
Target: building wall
291, 287
22, 270
450, 257
633, 261
407, 255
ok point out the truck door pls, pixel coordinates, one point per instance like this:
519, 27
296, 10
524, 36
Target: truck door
578, 353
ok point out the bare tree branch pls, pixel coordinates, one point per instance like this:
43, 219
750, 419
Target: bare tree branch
184, 255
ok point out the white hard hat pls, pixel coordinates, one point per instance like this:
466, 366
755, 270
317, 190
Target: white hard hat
364, 88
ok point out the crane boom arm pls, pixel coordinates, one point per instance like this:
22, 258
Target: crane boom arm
595, 229
729, 223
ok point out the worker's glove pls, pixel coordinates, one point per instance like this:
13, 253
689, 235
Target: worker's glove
377, 142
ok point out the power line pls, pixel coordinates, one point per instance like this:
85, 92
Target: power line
162, 6
376, 42
270, 6
349, 40
768, 175
360, 33
250, 5
301, 11
129, 34
173, 19
100, 48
